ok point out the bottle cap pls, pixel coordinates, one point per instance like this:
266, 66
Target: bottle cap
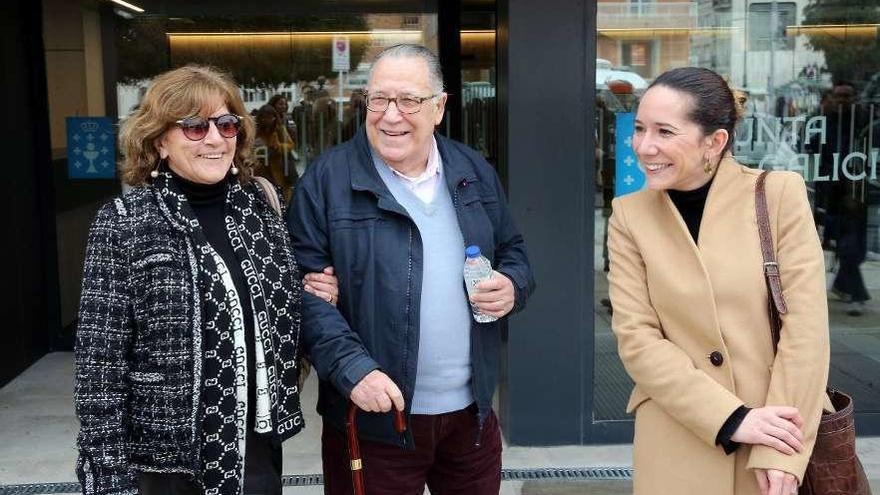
472, 251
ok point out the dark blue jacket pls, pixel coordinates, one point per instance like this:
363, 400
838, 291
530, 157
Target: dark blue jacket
343, 215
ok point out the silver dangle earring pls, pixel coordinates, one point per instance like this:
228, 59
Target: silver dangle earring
233, 170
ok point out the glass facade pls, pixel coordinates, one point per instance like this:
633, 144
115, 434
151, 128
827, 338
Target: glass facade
811, 70
479, 116
284, 58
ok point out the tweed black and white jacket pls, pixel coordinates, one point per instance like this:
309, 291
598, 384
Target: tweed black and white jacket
139, 346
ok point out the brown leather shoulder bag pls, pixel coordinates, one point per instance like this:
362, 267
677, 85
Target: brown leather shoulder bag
834, 468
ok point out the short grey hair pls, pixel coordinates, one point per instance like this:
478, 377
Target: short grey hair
411, 50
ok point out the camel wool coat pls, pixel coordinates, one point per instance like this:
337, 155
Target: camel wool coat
676, 303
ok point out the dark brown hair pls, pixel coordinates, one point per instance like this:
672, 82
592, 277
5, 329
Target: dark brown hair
714, 104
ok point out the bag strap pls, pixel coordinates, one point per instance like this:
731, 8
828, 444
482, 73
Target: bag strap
776, 301
269, 192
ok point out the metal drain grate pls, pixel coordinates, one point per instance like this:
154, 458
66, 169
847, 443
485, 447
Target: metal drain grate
566, 474
40, 488
535, 474
302, 479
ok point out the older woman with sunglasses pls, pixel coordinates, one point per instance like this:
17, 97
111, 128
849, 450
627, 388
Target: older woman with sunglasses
188, 338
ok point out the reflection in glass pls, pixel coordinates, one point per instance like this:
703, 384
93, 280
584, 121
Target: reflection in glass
478, 81
286, 62
811, 70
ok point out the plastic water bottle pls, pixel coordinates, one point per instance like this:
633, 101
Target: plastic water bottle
476, 269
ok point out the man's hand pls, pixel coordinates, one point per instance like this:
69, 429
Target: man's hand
496, 295
323, 285
774, 426
776, 482
377, 393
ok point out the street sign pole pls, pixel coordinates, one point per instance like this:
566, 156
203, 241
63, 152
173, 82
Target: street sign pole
341, 64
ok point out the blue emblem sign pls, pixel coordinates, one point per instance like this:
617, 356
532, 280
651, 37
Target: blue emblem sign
628, 176
91, 148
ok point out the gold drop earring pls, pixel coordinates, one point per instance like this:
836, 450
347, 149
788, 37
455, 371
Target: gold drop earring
708, 166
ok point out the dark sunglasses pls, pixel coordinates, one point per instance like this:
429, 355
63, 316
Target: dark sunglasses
196, 128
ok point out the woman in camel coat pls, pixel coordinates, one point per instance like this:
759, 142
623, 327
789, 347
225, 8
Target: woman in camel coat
716, 411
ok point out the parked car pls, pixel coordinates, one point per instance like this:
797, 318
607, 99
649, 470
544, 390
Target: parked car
605, 72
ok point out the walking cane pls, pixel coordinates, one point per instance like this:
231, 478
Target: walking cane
354, 449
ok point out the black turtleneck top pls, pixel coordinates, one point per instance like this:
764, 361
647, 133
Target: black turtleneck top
690, 205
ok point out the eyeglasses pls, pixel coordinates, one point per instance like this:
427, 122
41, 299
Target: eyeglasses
196, 128
405, 104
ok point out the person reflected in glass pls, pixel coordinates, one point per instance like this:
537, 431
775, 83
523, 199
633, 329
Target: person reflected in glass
287, 128
353, 114
188, 333
275, 151
716, 411
842, 200
324, 116
304, 115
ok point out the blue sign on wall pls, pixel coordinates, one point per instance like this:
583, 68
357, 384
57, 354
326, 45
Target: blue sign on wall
91, 148
628, 176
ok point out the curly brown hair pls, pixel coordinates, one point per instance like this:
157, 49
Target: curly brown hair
174, 95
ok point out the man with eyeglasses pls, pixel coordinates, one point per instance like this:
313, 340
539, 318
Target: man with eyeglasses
392, 210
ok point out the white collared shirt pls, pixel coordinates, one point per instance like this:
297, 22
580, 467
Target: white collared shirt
425, 185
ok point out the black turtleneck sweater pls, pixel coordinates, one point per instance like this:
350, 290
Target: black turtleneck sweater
263, 454
690, 205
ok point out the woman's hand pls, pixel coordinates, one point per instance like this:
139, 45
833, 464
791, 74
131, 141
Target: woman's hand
323, 285
776, 482
774, 426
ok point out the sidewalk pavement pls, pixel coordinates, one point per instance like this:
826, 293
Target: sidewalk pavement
38, 441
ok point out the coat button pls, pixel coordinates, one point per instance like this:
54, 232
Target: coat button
716, 358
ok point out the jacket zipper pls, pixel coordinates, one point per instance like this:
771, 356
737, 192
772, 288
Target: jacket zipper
409, 283
474, 349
